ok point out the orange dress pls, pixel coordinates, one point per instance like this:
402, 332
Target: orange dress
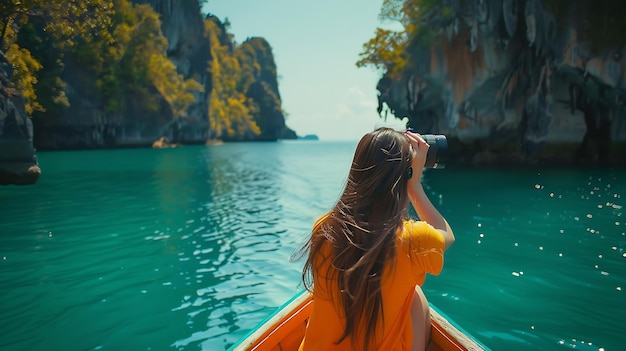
419, 250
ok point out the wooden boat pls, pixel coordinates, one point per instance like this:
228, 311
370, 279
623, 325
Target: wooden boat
284, 330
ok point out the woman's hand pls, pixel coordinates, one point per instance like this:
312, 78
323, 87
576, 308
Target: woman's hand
420, 150
422, 205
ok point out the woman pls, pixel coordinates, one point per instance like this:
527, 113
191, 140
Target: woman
367, 260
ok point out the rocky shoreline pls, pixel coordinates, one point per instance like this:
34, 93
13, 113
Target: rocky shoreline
18, 162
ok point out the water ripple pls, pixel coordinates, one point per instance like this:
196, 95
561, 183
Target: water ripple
190, 248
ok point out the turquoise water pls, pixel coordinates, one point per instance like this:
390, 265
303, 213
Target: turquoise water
188, 249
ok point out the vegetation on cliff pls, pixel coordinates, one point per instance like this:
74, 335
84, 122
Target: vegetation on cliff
131, 57
120, 43
116, 56
64, 23
245, 102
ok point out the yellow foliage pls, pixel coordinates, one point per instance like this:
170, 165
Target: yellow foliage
24, 77
388, 50
385, 51
177, 91
229, 113
121, 42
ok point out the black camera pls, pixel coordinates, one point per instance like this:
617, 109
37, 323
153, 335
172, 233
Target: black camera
436, 156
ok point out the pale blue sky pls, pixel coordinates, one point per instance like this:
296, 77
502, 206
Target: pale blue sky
315, 45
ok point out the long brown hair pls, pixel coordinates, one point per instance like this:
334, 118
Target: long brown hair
361, 228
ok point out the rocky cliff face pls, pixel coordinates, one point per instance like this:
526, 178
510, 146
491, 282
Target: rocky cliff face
86, 124
264, 92
190, 51
18, 164
510, 84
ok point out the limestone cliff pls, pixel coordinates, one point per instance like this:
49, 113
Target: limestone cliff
189, 49
18, 164
510, 83
87, 124
264, 91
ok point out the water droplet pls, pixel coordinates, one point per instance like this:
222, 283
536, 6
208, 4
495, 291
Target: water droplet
560, 254
482, 235
589, 215
541, 248
619, 288
478, 241
551, 194
515, 274
480, 225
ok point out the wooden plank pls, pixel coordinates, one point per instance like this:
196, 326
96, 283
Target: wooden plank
446, 336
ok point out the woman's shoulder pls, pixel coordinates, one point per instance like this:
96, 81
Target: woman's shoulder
424, 245
420, 233
412, 228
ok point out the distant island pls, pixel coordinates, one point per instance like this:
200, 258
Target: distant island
308, 137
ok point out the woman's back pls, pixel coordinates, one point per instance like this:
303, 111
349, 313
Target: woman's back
419, 250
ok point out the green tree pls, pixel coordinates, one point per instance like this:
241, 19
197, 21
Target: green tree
67, 21
133, 58
49, 88
259, 81
229, 110
177, 91
24, 79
